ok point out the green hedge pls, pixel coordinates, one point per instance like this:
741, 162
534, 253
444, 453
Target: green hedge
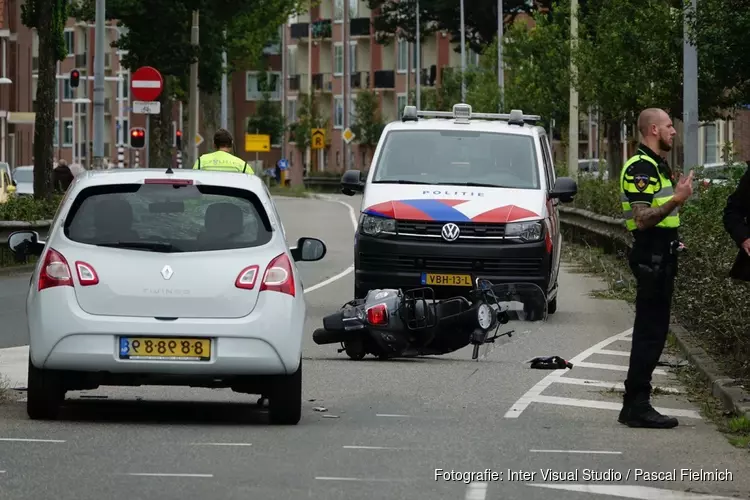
707, 302
28, 209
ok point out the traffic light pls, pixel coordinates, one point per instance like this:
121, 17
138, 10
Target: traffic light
178, 139
137, 137
75, 77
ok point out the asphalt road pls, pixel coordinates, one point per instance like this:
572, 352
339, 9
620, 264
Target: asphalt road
387, 426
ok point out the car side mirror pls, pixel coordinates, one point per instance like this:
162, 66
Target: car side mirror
565, 189
24, 243
352, 182
309, 250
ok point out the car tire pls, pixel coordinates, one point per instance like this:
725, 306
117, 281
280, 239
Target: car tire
45, 394
285, 401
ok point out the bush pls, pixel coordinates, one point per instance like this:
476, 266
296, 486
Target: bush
29, 209
708, 303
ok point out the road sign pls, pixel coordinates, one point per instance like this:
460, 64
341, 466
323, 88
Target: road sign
283, 164
147, 107
198, 139
348, 135
258, 143
318, 138
146, 84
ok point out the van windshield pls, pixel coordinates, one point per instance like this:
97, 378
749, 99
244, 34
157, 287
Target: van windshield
459, 158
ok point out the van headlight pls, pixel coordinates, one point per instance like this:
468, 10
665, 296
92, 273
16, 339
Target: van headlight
525, 231
373, 226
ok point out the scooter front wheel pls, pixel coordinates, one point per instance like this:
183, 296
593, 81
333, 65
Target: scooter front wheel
355, 349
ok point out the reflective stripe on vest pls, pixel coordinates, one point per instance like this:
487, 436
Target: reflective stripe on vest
661, 188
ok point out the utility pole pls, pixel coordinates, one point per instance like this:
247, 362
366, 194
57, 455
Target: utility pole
690, 100
308, 151
419, 63
194, 105
99, 53
500, 69
284, 78
347, 81
573, 109
224, 107
463, 55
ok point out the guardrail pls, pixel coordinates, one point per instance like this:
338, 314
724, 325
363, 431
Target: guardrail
596, 224
9, 226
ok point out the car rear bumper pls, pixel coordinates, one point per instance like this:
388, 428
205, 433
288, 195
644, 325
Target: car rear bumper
266, 342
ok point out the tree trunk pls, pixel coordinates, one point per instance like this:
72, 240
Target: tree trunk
614, 149
45, 100
210, 120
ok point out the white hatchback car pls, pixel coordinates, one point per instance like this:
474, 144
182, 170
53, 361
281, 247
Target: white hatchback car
166, 278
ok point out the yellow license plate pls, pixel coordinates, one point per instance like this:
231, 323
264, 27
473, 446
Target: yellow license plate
165, 349
446, 279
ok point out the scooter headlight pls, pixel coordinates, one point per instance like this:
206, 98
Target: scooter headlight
524, 231
484, 316
373, 226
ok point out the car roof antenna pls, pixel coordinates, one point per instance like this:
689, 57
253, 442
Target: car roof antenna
169, 170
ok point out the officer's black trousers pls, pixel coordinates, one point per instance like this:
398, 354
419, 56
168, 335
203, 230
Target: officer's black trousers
655, 276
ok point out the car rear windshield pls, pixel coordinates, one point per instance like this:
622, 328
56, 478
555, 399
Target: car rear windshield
25, 175
168, 218
456, 157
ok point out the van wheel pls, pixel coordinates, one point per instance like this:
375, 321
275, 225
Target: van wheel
45, 394
552, 306
285, 401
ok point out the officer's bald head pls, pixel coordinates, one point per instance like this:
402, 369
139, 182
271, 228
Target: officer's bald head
656, 129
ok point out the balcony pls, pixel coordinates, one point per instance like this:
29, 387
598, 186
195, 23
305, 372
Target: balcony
385, 79
322, 29
428, 77
359, 27
360, 80
298, 30
323, 82
81, 60
294, 82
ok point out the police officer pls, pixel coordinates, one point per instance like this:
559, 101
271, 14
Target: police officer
222, 158
651, 202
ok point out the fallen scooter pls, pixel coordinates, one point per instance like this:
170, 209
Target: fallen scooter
397, 323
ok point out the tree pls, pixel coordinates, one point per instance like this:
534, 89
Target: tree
308, 118
368, 123
48, 18
480, 18
267, 118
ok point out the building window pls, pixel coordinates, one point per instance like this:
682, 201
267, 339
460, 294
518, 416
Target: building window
292, 60
124, 129
338, 10
338, 111
70, 43
68, 91
67, 133
400, 104
472, 58
352, 108
255, 88
56, 135
338, 59
353, 8
352, 57
711, 143
291, 111
403, 54
125, 89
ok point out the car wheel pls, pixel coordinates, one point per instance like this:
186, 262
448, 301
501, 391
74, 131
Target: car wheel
285, 401
45, 394
552, 306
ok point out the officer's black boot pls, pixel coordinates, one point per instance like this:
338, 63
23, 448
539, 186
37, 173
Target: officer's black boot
627, 402
640, 413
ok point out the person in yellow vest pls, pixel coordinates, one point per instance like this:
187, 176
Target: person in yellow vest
223, 159
651, 201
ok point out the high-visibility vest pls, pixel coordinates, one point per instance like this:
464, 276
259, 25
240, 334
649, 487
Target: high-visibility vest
223, 161
660, 187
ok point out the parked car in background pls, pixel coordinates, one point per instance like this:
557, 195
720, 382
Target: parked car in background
591, 167
24, 178
6, 186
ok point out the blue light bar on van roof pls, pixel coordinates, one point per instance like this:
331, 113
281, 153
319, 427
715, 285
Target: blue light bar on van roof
462, 113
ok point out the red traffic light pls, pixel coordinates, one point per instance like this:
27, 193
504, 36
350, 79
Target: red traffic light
138, 133
75, 74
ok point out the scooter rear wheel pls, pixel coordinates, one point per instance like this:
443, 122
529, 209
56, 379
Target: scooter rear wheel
355, 349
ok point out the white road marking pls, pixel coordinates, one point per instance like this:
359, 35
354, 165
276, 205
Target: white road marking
530, 396
617, 368
29, 440
476, 491
222, 444
164, 474
14, 360
392, 415
632, 491
585, 452
328, 478
607, 405
613, 353
2, 472
606, 385
353, 447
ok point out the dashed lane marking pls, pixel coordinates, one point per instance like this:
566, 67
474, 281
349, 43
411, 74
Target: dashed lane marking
164, 474
607, 405
476, 491
29, 440
632, 491
582, 452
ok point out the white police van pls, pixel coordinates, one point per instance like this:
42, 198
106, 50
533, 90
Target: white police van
459, 196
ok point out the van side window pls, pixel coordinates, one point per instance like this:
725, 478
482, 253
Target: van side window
547, 167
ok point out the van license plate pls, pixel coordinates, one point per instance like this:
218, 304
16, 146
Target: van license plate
430, 279
165, 349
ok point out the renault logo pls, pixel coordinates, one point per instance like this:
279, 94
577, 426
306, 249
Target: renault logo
450, 232
167, 272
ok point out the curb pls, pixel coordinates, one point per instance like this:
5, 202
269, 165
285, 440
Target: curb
15, 270
735, 399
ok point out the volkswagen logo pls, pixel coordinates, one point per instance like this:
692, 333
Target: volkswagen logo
167, 272
450, 232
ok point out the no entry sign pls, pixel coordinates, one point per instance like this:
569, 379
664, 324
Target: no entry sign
146, 84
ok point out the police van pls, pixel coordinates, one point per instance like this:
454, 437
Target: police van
455, 196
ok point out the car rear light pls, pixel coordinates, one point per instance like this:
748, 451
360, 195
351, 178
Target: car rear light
377, 315
175, 182
246, 278
55, 271
278, 276
86, 274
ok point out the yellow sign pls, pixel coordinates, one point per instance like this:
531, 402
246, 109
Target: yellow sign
258, 143
348, 135
198, 139
318, 138
447, 280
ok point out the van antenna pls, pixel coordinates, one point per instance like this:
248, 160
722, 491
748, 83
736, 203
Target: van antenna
169, 170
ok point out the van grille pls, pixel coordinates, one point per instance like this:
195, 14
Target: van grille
433, 229
507, 267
